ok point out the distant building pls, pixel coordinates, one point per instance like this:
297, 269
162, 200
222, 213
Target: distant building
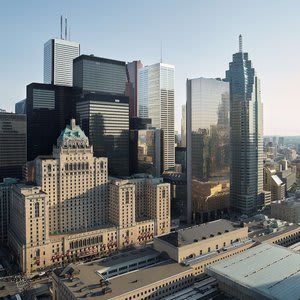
180, 157
99, 75
58, 61
5, 195
281, 141
145, 147
13, 144
48, 109
156, 101
287, 174
20, 107
207, 116
183, 126
178, 194
246, 134
263, 272
273, 184
288, 209
132, 86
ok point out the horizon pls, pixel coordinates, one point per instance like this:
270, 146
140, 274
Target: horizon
195, 45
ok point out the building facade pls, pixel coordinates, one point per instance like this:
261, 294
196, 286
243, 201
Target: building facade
74, 212
156, 101
48, 109
13, 144
183, 126
145, 147
58, 61
132, 86
5, 195
100, 75
246, 134
208, 156
105, 120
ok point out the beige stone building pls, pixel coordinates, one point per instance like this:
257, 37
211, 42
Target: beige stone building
81, 214
288, 209
150, 275
273, 184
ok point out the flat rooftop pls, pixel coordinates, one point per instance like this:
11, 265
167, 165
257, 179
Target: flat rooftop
87, 281
200, 232
262, 272
124, 257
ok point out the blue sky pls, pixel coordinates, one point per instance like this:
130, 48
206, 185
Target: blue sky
199, 38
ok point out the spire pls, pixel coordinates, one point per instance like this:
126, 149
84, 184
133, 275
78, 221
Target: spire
240, 43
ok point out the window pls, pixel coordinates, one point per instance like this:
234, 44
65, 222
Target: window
127, 197
37, 209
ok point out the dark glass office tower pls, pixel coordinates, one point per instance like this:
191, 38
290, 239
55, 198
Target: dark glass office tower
103, 109
246, 131
49, 108
100, 75
207, 117
132, 86
105, 120
12, 144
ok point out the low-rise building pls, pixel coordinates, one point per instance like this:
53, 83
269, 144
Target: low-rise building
288, 209
263, 272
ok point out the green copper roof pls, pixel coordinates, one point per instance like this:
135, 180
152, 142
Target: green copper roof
72, 136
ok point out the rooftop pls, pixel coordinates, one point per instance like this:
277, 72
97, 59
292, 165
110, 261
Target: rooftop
268, 271
197, 233
72, 136
86, 283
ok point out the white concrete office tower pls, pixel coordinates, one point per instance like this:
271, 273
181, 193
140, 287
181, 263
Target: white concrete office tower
156, 101
58, 61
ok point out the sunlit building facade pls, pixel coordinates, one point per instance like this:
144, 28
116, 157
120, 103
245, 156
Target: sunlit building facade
156, 101
207, 115
246, 132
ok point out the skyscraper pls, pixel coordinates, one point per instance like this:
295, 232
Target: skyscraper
132, 86
145, 147
156, 101
103, 109
48, 108
13, 146
105, 120
99, 75
246, 132
207, 116
58, 61
183, 126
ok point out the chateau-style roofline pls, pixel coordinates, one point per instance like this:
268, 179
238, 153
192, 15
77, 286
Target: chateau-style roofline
73, 137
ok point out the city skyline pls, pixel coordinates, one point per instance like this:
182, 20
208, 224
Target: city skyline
207, 56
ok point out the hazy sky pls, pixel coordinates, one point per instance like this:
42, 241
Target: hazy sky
199, 38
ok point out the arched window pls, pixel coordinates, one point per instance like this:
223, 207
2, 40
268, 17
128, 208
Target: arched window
49, 168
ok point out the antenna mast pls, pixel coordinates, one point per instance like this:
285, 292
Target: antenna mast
66, 29
161, 52
61, 21
240, 43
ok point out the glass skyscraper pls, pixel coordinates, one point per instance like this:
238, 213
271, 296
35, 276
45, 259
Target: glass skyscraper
207, 125
156, 101
246, 131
